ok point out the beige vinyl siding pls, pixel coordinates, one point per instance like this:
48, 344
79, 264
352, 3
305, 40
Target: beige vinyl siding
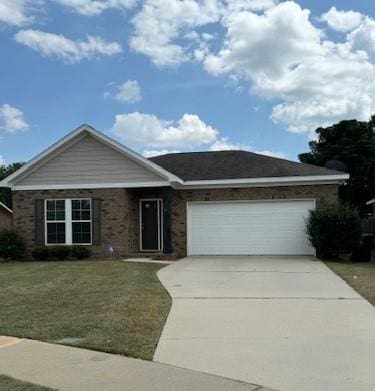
89, 161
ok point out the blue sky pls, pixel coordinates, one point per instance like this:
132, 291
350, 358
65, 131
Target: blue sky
178, 75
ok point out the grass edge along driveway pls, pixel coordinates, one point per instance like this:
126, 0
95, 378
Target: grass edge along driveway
111, 306
360, 276
8, 383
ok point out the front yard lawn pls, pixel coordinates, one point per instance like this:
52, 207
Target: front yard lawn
10, 384
360, 276
112, 306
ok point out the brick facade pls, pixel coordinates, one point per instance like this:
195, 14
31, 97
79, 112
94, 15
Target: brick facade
120, 210
119, 217
5, 218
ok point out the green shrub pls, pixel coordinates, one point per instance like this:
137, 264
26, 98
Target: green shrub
59, 252
41, 253
81, 252
334, 230
12, 245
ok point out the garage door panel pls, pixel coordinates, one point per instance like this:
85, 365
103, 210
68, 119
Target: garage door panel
272, 227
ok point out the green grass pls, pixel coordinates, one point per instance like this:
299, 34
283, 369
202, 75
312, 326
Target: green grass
111, 306
10, 384
360, 276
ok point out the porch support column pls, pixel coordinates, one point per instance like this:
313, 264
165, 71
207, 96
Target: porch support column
167, 220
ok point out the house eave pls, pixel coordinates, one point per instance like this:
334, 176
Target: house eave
204, 184
270, 181
47, 154
6, 208
124, 185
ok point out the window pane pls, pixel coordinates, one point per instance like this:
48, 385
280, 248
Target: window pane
55, 233
76, 204
56, 210
85, 204
81, 210
76, 215
50, 215
81, 233
85, 215
60, 215
60, 204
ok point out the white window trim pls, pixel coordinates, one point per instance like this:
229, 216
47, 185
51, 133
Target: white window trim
68, 222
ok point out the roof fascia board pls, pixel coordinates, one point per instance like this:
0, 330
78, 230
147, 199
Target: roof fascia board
86, 129
91, 186
6, 208
251, 182
271, 181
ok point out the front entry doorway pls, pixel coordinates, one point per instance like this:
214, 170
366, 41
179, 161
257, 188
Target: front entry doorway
151, 224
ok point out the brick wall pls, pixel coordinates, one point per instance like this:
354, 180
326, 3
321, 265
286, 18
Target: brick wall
120, 219
5, 219
119, 224
324, 194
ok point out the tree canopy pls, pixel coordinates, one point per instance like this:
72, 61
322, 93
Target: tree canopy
5, 194
348, 146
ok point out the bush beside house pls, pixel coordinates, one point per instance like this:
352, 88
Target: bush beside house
12, 245
52, 253
334, 230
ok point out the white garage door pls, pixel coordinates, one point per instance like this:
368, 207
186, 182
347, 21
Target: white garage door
235, 228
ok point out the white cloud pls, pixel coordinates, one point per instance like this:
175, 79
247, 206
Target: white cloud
284, 56
279, 155
12, 119
2, 161
363, 38
96, 7
160, 23
18, 12
145, 130
65, 49
223, 144
164, 30
159, 137
129, 92
342, 21
274, 48
156, 152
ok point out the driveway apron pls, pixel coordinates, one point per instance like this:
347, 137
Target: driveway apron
288, 323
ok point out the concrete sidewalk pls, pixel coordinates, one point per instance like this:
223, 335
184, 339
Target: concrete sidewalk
70, 369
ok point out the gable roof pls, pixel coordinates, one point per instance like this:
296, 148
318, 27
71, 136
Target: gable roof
70, 139
222, 165
3, 206
186, 170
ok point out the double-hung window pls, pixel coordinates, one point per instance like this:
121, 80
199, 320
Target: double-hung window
55, 222
68, 221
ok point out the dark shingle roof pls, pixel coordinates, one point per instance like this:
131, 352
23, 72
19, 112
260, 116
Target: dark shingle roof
194, 166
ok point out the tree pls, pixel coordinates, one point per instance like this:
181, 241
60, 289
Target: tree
348, 146
6, 194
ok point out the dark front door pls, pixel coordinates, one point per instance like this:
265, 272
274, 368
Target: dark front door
151, 225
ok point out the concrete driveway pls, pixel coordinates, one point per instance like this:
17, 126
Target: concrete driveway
288, 323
